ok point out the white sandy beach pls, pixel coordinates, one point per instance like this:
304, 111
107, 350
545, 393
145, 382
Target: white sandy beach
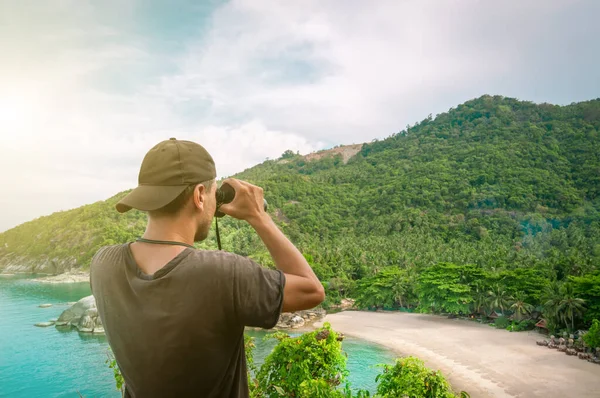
476, 358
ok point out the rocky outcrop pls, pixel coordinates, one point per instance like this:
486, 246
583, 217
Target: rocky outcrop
345, 304
295, 320
82, 315
10, 263
346, 152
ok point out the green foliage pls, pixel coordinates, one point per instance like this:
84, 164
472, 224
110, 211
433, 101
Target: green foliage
502, 322
319, 389
410, 378
592, 337
587, 287
310, 362
498, 298
520, 307
516, 326
390, 288
570, 305
447, 287
252, 369
112, 364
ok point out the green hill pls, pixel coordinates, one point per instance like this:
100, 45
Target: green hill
503, 184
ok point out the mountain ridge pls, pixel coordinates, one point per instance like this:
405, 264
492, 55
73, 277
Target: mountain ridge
492, 167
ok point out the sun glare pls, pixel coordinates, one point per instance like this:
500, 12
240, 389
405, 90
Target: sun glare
15, 113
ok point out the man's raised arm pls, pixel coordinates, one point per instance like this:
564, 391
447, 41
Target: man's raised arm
303, 290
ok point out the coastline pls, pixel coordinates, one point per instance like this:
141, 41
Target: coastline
67, 277
476, 358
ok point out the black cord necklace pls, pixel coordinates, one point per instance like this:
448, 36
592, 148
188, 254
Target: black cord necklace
164, 242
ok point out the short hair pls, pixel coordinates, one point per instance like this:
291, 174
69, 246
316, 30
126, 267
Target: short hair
177, 204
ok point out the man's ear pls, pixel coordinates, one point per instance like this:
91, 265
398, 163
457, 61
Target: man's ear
199, 196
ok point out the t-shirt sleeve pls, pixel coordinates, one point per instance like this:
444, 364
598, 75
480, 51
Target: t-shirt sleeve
257, 293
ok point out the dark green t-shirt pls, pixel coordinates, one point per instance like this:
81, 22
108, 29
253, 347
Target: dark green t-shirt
180, 332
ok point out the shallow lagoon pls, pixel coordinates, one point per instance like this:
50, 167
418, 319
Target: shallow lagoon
48, 362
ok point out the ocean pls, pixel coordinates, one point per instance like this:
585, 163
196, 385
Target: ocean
48, 362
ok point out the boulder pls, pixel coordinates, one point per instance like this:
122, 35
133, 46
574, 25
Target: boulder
98, 326
296, 322
82, 315
45, 305
77, 310
92, 312
85, 324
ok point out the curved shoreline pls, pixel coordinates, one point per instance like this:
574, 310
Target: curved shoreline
476, 358
67, 277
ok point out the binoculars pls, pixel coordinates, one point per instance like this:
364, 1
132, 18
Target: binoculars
225, 194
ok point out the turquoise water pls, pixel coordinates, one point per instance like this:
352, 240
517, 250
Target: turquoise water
47, 362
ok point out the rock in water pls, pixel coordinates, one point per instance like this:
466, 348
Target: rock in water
45, 305
83, 315
72, 315
44, 324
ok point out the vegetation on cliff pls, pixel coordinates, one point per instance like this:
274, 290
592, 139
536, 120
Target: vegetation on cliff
459, 213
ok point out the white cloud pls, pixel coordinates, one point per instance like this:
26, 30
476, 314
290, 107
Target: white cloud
84, 93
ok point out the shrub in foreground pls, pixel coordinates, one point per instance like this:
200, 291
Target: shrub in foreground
308, 365
410, 378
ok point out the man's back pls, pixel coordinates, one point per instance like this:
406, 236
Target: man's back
179, 332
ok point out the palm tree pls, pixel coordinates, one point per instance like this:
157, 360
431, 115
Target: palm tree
520, 307
498, 298
569, 305
551, 301
479, 300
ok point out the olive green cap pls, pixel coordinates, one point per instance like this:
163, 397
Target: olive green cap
167, 169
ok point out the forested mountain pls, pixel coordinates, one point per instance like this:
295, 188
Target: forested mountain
506, 191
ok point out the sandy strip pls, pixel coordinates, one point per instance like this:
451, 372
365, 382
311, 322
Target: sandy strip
476, 358
67, 277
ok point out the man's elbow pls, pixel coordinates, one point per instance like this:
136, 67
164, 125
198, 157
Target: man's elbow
318, 295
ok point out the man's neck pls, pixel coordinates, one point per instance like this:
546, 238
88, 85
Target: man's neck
174, 230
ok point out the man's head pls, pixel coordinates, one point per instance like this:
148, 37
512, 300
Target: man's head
176, 182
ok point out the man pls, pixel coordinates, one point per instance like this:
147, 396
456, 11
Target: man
174, 316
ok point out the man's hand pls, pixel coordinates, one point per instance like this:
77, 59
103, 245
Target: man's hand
248, 204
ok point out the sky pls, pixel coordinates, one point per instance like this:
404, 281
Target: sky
87, 88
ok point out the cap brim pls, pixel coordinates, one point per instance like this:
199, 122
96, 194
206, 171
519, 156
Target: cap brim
149, 197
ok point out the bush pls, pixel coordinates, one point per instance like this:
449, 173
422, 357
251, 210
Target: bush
592, 337
521, 326
410, 378
320, 389
312, 362
501, 322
